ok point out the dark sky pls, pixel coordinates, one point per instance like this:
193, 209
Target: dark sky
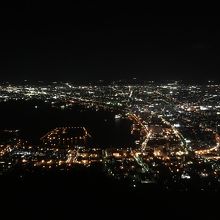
86, 41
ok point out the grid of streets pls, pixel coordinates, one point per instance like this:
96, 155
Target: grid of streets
175, 126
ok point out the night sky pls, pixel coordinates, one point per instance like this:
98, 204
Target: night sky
86, 41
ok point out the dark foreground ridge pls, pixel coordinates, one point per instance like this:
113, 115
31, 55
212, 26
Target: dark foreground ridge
90, 194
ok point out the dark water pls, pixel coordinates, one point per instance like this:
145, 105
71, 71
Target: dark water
35, 122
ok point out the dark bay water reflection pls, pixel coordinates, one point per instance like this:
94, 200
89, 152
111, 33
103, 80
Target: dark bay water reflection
35, 122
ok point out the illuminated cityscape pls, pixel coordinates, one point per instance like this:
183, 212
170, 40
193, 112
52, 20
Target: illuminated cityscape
108, 111
144, 134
